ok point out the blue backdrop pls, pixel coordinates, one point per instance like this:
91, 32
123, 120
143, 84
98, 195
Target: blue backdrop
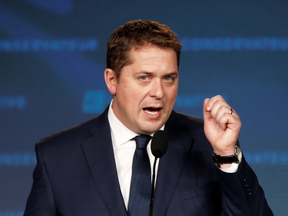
52, 59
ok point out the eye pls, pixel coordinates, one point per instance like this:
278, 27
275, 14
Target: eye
168, 78
143, 78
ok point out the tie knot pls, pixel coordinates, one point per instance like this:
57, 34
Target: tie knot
142, 141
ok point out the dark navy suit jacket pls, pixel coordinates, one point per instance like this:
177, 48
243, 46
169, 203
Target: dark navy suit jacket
76, 175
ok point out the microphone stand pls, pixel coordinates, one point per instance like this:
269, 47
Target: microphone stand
152, 188
159, 147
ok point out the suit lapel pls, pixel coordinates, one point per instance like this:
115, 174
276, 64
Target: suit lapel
171, 165
99, 154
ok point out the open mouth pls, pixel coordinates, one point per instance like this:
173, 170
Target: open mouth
151, 110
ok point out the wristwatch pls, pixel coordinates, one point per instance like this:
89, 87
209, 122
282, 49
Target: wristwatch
235, 158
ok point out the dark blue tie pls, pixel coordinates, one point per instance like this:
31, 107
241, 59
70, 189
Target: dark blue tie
140, 188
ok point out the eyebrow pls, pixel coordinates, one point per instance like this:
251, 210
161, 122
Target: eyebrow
144, 72
151, 73
172, 73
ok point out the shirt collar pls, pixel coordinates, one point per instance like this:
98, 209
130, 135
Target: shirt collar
119, 132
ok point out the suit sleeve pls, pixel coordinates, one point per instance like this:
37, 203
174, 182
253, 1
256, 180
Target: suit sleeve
40, 200
241, 193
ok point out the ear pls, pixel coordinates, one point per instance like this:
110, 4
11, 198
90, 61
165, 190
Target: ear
111, 80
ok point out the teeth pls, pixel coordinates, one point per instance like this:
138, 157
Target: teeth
152, 112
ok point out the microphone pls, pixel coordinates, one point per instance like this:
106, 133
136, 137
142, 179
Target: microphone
159, 145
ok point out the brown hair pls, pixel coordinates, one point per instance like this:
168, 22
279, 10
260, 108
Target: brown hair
136, 34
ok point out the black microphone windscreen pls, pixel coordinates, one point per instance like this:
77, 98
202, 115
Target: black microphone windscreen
159, 143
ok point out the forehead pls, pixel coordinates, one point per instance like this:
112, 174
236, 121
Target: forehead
152, 54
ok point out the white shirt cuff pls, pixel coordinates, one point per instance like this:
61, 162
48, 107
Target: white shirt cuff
232, 169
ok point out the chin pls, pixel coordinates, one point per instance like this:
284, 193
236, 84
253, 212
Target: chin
151, 129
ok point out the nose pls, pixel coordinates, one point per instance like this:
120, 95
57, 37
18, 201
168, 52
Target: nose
157, 90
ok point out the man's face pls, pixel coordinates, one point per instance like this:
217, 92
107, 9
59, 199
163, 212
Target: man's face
146, 91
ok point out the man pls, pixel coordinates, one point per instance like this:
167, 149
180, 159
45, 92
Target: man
86, 170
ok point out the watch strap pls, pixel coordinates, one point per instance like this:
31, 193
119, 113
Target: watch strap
218, 159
